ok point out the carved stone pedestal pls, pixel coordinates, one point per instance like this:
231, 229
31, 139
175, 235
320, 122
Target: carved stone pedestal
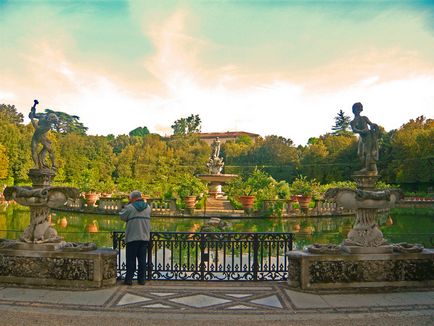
60, 268
352, 272
385, 249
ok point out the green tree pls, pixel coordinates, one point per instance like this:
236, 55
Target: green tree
342, 123
276, 150
412, 151
189, 125
15, 138
67, 123
9, 113
4, 163
139, 132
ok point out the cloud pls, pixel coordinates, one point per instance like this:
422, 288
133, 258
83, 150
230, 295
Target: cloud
269, 70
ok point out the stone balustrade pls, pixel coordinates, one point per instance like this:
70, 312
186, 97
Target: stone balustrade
322, 207
162, 206
74, 203
110, 204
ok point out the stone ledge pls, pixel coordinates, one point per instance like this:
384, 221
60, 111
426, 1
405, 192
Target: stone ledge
331, 272
64, 269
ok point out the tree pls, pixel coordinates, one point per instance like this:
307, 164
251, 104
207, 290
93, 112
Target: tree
8, 113
4, 163
276, 150
342, 123
188, 125
139, 132
412, 151
67, 123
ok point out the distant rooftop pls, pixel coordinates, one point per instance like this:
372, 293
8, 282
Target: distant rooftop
228, 134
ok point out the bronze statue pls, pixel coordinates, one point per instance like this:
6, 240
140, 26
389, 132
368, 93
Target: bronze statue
368, 140
42, 123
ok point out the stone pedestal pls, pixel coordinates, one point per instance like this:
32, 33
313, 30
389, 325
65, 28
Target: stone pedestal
41, 177
215, 182
352, 272
45, 265
215, 189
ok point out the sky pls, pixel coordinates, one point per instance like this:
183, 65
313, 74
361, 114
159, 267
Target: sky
269, 67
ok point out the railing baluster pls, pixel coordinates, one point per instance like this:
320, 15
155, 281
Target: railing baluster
255, 257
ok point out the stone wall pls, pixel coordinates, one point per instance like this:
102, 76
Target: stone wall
330, 272
64, 269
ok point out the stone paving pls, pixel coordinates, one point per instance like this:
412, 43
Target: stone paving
217, 301
226, 298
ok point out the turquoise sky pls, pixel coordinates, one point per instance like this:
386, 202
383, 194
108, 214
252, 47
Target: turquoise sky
271, 67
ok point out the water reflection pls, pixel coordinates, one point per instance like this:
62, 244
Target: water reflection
90, 227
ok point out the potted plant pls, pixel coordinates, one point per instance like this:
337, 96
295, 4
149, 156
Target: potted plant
304, 189
89, 184
188, 188
106, 188
258, 185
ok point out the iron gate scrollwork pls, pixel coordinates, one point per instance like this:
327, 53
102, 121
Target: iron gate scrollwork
203, 256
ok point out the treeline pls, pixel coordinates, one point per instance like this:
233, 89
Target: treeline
152, 163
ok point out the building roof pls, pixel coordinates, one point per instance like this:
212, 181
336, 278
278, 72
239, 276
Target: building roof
228, 134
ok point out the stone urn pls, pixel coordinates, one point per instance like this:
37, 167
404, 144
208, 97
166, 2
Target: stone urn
247, 202
190, 201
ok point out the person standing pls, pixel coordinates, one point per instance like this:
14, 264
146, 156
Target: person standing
137, 215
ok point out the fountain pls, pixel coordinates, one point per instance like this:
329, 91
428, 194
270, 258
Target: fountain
365, 260
40, 256
215, 178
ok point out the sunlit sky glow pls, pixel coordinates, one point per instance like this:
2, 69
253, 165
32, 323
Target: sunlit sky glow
268, 67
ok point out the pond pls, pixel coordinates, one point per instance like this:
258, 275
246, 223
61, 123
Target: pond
400, 225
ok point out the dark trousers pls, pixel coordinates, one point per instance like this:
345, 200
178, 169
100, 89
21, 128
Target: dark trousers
136, 250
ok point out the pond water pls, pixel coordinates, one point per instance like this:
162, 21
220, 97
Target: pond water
400, 225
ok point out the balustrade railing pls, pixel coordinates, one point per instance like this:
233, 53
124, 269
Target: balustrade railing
282, 207
222, 256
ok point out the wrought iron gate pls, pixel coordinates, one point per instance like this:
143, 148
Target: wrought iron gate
212, 256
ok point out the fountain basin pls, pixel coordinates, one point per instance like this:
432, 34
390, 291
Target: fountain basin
215, 182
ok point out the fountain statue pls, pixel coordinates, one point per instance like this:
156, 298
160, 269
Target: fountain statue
41, 197
40, 246
216, 178
365, 259
215, 163
365, 237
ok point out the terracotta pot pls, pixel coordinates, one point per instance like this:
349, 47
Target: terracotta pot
92, 227
304, 201
296, 227
63, 222
389, 221
190, 201
294, 197
247, 201
91, 198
